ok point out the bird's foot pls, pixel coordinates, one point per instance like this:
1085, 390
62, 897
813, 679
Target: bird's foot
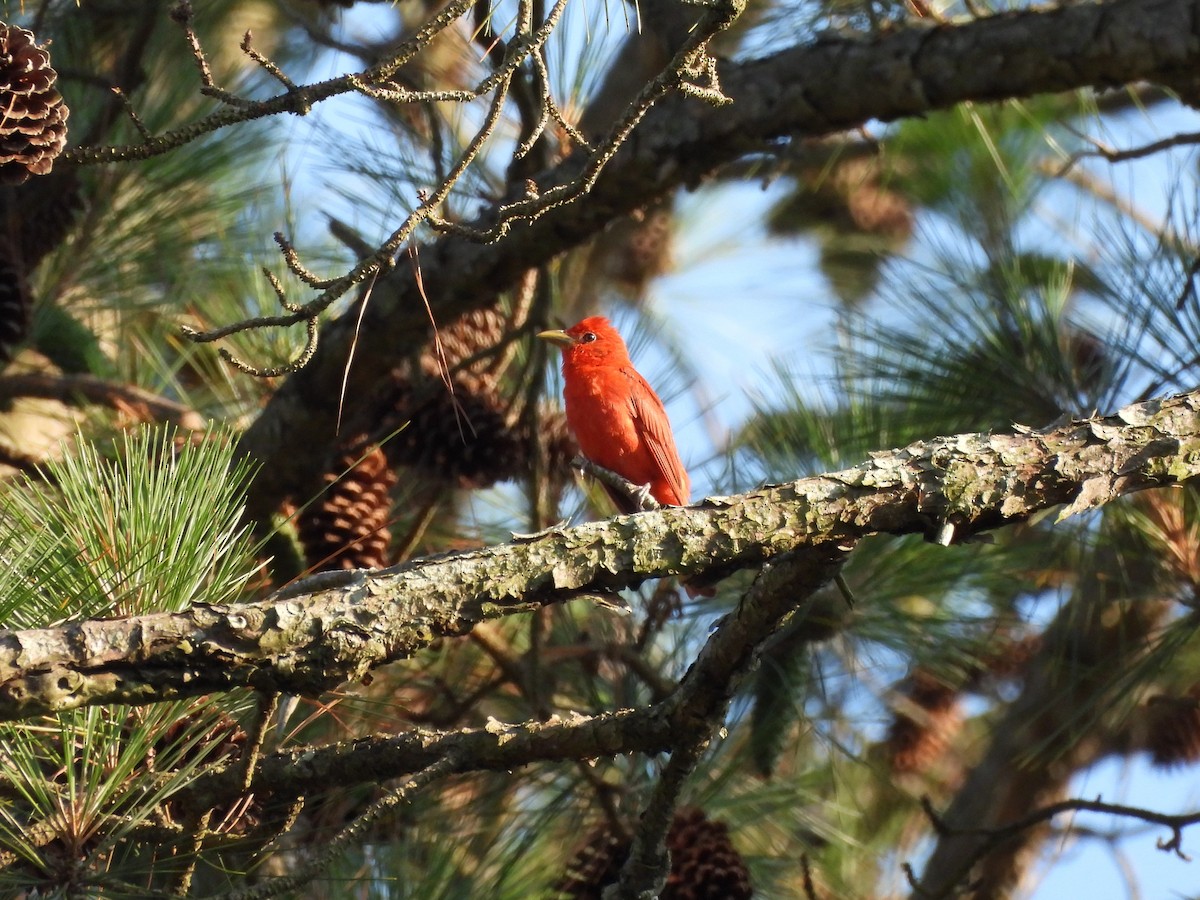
627, 496
641, 494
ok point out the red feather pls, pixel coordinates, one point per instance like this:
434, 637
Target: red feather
617, 418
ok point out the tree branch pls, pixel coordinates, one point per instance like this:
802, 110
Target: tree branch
990, 838
308, 643
686, 718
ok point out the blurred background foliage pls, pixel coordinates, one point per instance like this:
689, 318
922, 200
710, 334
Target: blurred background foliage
960, 272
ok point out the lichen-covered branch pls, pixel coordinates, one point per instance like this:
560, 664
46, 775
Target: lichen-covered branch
688, 715
310, 642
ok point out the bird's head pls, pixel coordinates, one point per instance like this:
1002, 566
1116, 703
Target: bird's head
592, 340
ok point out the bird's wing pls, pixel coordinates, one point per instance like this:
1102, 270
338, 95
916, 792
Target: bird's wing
650, 419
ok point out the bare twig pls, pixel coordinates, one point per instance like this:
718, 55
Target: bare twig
672, 77
267, 65
264, 717
995, 836
199, 830
132, 113
292, 258
287, 368
383, 258
183, 13
237, 110
539, 61
1114, 156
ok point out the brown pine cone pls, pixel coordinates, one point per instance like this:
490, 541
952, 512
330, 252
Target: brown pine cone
918, 737
1173, 730
471, 333
704, 863
346, 528
462, 438
33, 130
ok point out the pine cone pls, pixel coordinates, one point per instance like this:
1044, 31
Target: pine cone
463, 438
594, 866
873, 207
1173, 731
39, 215
33, 130
641, 247
465, 435
347, 527
224, 740
851, 198
466, 336
916, 740
704, 863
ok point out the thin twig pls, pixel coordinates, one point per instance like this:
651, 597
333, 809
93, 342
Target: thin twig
669, 79
133, 115
267, 65
237, 110
183, 13
301, 360
539, 61
810, 891
367, 268
278, 288
267, 704
292, 258
1114, 156
199, 830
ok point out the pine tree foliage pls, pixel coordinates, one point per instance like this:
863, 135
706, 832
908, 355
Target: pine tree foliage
984, 334
149, 524
427, 185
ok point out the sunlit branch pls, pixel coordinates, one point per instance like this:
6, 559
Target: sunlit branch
691, 59
298, 101
382, 259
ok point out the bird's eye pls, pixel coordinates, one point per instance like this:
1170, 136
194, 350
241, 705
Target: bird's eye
588, 337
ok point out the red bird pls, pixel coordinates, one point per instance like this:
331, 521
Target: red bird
617, 418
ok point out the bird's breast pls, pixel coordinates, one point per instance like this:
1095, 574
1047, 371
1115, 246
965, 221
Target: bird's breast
600, 411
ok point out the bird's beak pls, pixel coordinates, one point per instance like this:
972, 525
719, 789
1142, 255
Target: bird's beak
557, 337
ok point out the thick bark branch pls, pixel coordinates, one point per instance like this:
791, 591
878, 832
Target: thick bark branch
829, 86
693, 710
308, 643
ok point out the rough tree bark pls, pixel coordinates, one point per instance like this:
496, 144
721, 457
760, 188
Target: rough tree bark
349, 622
